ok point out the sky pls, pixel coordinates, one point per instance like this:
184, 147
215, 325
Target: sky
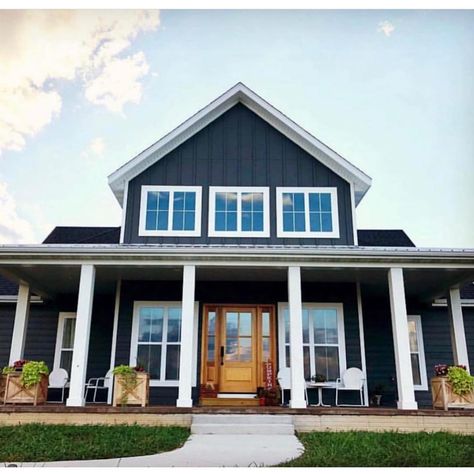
83, 92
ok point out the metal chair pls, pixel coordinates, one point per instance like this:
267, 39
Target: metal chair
284, 380
58, 378
352, 379
99, 383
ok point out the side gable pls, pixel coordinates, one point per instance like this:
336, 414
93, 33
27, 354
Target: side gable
119, 180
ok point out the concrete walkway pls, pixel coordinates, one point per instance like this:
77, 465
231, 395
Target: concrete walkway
203, 450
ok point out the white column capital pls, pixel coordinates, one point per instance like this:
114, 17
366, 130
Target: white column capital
20, 325
401, 343
187, 333
295, 310
458, 334
82, 335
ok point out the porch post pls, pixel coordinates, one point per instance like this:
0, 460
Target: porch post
406, 391
458, 334
21, 322
296, 338
81, 337
187, 333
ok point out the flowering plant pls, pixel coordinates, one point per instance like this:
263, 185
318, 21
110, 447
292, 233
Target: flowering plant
17, 366
441, 370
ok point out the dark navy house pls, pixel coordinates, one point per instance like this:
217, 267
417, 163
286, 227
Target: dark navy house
239, 246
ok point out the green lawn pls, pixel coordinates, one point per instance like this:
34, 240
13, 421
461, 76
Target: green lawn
358, 448
39, 442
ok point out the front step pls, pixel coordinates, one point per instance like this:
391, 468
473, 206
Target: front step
243, 424
228, 402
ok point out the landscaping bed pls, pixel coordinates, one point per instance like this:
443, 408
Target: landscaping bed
40, 442
360, 449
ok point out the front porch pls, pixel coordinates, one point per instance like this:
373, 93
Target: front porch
372, 300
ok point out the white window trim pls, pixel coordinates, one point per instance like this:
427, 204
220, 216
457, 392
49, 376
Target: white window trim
143, 232
134, 341
334, 234
239, 190
421, 352
340, 334
59, 338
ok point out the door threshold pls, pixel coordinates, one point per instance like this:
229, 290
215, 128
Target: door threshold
236, 395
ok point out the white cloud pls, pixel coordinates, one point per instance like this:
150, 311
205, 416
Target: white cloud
38, 49
13, 229
386, 28
95, 148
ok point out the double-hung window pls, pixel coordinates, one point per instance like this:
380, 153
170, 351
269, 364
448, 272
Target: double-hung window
156, 340
65, 341
307, 212
417, 353
324, 350
170, 211
239, 212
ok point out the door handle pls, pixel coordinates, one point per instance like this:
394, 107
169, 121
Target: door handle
222, 355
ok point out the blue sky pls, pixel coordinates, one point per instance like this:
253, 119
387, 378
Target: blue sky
394, 98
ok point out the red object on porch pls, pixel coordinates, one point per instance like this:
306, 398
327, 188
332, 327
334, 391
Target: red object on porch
268, 371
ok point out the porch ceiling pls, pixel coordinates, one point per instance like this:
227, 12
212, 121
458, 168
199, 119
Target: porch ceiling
50, 281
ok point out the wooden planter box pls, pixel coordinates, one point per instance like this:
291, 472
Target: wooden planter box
444, 397
17, 394
3, 381
138, 395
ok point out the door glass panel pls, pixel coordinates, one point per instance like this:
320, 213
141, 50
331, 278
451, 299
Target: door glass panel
232, 349
212, 323
211, 348
245, 351
266, 349
265, 324
245, 324
232, 324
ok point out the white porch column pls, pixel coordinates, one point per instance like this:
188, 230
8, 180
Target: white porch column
81, 337
21, 322
458, 334
187, 333
406, 391
296, 338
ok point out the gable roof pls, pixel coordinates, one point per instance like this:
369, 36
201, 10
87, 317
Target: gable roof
83, 235
383, 238
239, 93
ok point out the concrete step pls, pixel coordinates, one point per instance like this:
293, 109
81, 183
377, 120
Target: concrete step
242, 419
240, 428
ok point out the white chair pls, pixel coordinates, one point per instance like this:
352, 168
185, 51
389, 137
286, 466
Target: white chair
352, 379
58, 378
284, 380
99, 383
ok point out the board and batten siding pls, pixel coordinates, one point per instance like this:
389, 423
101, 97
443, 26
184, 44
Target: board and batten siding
239, 149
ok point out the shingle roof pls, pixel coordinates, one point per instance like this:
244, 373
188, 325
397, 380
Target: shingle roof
83, 235
383, 238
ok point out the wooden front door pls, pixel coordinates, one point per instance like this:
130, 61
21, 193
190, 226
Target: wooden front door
236, 342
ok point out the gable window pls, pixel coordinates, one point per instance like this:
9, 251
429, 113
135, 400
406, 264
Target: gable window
170, 211
239, 212
307, 212
156, 340
65, 341
324, 349
417, 353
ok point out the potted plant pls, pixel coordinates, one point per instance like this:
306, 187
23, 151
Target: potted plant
318, 378
131, 386
260, 396
26, 382
452, 387
376, 396
208, 390
271, 396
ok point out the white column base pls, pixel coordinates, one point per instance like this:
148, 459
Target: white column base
298, 404
407, 405
184, 403
75, 402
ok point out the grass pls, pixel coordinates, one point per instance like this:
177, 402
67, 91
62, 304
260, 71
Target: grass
40, 442
389, 449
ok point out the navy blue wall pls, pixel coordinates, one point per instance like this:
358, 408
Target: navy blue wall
238, 149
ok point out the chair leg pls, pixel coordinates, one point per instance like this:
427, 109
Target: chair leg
95, 394
283, 397
62, 395
337, 397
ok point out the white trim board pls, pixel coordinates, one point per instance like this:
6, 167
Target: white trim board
240, 93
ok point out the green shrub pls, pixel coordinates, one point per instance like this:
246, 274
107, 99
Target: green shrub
32, 373
460, 380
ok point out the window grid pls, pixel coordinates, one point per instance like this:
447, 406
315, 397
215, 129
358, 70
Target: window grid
230, 212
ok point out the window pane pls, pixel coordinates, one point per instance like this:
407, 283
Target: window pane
315, 221
178, 200
326, 222
174, 325
266, 348
190, 201
300, 225
232, 324
287, 199
151, 218
178, 220
149, 357
286, 317
68, 333
211, 322
325, 326
327, 362
305, 326
298, 201
257, 221
245, 326
220, 221
307, 366
245, 344
257, 202
247, 201
152, 201
172, 362
231, 348
265, 323
163, 200
287, 355
231, 221
314, 202
231, 201
325, 202
150, 325
162, 223
288, 223
412, 336
66, 361
330, 318
415, 367
319, 326
246, 221
220, 201
189, 220
211, 348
